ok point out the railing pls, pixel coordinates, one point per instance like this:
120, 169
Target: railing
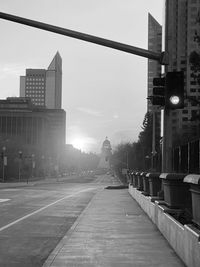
185, 158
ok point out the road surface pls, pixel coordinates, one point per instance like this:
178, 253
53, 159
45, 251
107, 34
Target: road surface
34, 218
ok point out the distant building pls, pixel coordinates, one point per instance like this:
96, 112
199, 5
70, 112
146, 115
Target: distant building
182, 19
106, 153
44, 87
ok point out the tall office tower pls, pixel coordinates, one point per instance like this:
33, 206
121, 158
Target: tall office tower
44, 87
182, 27
154, 70
154, 44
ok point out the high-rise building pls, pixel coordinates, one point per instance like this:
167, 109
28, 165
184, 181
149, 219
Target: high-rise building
182, 19
44, 87
154, 70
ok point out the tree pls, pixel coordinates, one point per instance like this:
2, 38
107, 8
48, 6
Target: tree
134, 155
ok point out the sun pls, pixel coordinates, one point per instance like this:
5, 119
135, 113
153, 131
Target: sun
79, 143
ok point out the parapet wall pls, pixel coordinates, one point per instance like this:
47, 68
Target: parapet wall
184, 239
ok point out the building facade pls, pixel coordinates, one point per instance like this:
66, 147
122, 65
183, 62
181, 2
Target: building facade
154, 70
24, 124
44, 87
182, 24
154, 44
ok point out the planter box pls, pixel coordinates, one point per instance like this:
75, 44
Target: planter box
194, 181
176, 192
145, 184
155, 183
131, 178
134, 179
140, 181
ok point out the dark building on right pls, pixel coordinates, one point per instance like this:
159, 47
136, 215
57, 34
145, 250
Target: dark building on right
182, 33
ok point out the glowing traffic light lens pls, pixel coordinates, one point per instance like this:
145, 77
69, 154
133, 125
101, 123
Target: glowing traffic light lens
174, 99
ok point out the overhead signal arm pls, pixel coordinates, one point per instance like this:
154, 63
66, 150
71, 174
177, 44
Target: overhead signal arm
162, 58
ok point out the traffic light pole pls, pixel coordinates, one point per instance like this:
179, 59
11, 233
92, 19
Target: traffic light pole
161, 57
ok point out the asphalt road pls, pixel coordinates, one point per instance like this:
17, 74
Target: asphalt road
34, 218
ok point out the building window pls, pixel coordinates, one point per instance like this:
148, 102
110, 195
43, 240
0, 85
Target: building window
185, 119
193, 104
193, 82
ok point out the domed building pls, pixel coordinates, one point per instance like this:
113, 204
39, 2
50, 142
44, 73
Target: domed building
106, 153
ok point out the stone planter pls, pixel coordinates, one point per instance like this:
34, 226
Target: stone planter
176, 192
145, 184
155, 183
131, 178
194, 181
134, 179
128, 177
140, 181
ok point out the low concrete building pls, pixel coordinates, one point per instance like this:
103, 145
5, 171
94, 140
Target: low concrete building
32, 129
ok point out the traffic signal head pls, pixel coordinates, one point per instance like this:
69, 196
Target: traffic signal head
20, 154
174, 90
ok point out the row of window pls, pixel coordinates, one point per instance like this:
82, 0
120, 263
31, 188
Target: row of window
35, 84
34, 79
35, 88
34, 92
36, 96
37, 101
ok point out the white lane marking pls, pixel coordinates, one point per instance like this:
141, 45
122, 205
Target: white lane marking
43, 208
12, 189
4, 199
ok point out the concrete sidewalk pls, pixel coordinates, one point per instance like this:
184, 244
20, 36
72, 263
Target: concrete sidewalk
113, 231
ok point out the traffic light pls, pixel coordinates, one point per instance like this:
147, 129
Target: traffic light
20, 154
158, 97
174, 90
169, 90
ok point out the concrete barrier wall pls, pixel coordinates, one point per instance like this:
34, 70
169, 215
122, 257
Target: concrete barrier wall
184, 239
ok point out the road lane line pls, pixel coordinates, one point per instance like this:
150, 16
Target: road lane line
41, 209
4, 199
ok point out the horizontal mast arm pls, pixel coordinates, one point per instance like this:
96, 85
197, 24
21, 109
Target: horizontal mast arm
85, 37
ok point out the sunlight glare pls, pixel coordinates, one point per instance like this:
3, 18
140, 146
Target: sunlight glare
79, 143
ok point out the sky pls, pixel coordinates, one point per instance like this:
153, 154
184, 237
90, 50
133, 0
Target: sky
104, 91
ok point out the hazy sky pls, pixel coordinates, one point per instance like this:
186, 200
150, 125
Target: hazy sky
104, 90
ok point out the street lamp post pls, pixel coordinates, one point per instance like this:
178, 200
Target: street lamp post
20, 161
43, 167
33, 163
3, 161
